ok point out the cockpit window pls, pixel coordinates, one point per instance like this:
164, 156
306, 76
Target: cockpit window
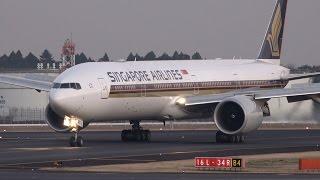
73, 85
78, 86
66, 86
56, 85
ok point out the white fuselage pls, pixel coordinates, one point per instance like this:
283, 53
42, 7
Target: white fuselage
148, 90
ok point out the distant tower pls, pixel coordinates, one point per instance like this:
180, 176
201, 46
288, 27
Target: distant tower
68, 54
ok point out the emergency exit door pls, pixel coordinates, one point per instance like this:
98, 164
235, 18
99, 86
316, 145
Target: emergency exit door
105, 91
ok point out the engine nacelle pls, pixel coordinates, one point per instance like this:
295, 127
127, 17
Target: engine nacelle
56, 122
238, 115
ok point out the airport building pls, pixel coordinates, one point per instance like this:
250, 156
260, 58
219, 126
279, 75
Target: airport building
22, 105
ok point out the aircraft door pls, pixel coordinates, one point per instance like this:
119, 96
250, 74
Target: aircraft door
143, 90
105, 91
196, 89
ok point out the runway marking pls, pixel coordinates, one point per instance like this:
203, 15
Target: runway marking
13, 150
70, 148
287, 138
47, 148
133, 160
25, 138
271, 138
96, 159
17, 150
131, 157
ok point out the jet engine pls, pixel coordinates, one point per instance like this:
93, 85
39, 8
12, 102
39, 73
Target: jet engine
238, 115
56, 122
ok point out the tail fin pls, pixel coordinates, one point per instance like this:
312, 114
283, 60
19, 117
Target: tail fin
272, 43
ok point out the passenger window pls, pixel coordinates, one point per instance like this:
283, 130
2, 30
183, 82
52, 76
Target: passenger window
65, 86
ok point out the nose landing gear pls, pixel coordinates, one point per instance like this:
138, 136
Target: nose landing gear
76, 140
136, 133
75, 124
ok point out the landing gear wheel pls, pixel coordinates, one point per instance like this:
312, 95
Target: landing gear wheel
76, 141
242, 138
226, 138
79, 141
237, 139
232, 139
147, 135
124, 135
136, 133
72, 141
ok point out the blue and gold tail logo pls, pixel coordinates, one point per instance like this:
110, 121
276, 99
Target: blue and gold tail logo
271, 48
274, 36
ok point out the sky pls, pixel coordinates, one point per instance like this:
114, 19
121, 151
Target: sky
215, 28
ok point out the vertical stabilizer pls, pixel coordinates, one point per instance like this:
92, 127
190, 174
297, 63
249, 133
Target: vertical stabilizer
272, 43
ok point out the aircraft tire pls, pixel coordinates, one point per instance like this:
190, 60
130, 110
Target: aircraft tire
79, 141
124, 135
72, 141
146, 136
226, 138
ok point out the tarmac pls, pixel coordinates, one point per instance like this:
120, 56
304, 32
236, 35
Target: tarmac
27, 154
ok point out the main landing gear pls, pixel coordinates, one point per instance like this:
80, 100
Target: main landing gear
76, 140
227, 138
136, 133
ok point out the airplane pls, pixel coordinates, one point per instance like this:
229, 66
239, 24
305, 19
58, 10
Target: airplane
233, 93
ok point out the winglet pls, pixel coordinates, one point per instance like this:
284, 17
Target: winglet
272, 43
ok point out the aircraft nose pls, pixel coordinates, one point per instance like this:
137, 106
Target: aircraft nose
56, 101
64, 102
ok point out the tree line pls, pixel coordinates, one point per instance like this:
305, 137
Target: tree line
303, 69
15, 60
165, 56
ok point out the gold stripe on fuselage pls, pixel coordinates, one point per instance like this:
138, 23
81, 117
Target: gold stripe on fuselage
183, 92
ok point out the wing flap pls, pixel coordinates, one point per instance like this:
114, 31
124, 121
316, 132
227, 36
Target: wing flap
205, 99
296, 94
216, 98
307, 90
27, 83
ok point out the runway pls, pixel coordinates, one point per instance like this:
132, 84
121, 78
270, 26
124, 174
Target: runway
42, 149
34, 150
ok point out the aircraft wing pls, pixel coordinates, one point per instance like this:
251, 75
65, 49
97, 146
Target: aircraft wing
294, 94
39, 85
303, 76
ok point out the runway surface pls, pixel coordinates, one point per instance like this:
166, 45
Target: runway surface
22, 175
32, 150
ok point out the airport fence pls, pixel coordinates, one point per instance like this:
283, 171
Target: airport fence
14, 115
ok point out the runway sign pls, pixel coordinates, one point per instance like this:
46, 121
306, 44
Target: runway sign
218, 162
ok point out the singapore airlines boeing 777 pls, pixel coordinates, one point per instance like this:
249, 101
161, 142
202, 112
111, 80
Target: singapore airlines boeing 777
233, 93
